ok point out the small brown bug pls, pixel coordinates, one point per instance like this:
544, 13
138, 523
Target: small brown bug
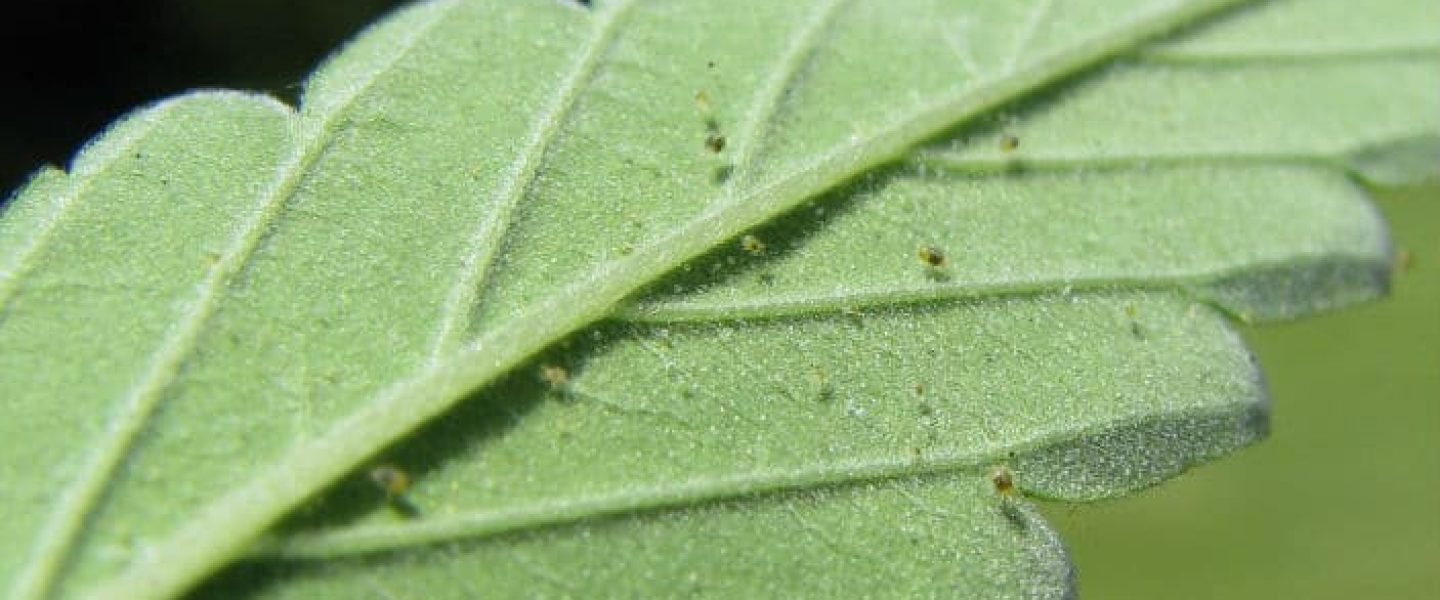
715, 142
752, 244
556, 376
1009, 143
931, 256
391, 480
1003, 480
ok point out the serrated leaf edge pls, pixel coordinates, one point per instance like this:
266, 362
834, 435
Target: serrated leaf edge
222, 529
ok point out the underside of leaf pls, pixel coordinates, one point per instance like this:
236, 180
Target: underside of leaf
699, 313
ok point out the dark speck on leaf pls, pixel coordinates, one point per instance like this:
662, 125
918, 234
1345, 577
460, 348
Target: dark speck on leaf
752, 244
715, 142
931, 256
1003, 481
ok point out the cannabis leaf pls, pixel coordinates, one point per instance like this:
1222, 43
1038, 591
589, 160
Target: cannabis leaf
237, 305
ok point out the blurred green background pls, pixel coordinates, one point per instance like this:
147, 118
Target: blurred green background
1342, 502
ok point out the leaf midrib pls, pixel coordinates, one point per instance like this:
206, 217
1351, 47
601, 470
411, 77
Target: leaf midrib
221, 529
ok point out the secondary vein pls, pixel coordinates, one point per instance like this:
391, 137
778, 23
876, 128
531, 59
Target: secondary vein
479, 258
1185, 55
57, 535
202, 543
1032, 25
765, 104
139, 401
480, 524
643, 499
1199, 284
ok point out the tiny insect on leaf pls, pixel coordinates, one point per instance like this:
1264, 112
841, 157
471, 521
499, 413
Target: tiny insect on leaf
715, 142
931, 256
752, 244
392, 480
1003, 480
557, 377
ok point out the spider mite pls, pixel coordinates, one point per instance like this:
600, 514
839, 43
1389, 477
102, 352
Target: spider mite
931, 256
752, 244
557, 377
391, 479
394, 481
1003, 480
715, 142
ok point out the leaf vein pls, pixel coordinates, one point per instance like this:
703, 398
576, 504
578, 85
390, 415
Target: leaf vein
79, 501
993, 163
844, 303
767, 101
57, 536
481, 524
195, 547
1317, 54
1038, 14
487, 239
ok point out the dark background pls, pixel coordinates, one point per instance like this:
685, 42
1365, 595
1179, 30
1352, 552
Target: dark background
70, 68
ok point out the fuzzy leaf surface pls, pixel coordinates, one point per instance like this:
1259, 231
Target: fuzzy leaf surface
471, 182
1256, 216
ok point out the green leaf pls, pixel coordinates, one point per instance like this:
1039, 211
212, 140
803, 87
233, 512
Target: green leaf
1316, 245
104, 278
1183, 220
509, 173
813, 418
1293, 82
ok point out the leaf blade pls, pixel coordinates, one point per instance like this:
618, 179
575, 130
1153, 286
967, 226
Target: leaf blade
1191, 229
1309, 178
174, 277
754, 439
941, 527
196, 547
